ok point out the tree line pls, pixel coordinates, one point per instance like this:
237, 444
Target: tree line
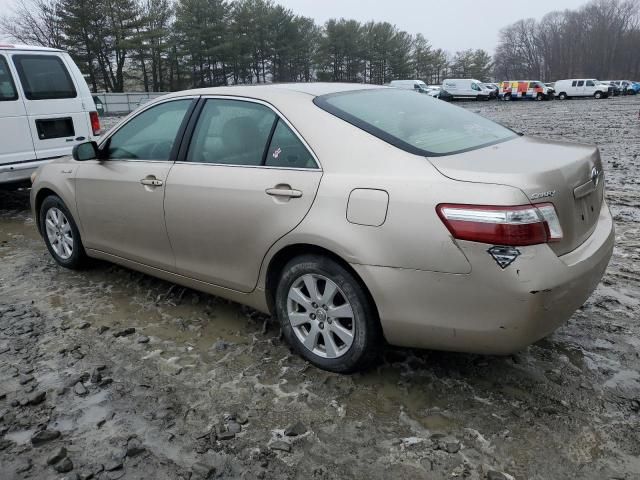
161, 45
600, 40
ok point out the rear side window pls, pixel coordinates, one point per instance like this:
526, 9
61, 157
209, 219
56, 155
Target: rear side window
7, 87
231, 132
417, 124
574, 83
286, 150
44, 77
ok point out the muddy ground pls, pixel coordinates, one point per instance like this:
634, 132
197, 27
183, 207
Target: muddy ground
204, 388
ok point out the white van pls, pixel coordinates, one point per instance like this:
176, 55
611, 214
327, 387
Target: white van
582, 87
466, 88
417, 85
45, 109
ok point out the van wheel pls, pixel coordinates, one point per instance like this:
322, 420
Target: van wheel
507, 97
562, 96
598, 95
61, 234
326, 316
539, 97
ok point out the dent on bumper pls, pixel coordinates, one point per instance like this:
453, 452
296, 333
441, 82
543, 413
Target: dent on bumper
489, 310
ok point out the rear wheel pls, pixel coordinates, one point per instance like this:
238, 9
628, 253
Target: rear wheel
326, 316
61, 233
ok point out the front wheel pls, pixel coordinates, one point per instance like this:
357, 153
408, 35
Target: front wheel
598, 95
326, 316
507, 97
562, 96
539, 97
61, 234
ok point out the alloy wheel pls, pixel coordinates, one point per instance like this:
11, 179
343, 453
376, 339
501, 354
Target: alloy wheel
59, 233
321, 316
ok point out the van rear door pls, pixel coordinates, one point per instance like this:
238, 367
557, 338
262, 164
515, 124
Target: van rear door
57, 115
16, 146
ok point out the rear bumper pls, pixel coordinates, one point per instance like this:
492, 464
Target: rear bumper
489, 310
18, 172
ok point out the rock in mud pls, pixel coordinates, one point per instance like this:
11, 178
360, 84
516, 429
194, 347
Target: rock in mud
143, 339
44, 436
79, 389
134, 447
112, 465
280, 445
124, 332
102, 329
295, 429
24, 379
56, 456
226, 435
234, 427
96, 376
201, 470
24, 467
83, 325
496, 475
36, 398
65, 465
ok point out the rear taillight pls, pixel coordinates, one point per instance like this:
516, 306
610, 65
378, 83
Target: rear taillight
513, 226
95, 123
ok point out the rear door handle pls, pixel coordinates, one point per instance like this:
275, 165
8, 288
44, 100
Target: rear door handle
152, 182
284, 192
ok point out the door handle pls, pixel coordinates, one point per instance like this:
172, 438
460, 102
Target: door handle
283, 192
152, 182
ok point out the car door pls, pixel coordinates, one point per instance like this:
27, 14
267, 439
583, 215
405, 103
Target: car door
244, 180
120, 197
16, 145
55, 110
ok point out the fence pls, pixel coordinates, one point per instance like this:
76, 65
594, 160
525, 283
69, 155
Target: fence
123, 103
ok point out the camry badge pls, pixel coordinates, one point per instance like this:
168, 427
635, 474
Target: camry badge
538, 195
504, 256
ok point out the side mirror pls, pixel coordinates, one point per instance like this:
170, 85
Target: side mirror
85, 151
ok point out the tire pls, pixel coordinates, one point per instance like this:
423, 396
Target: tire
539, 97
311, 321
61, 234
597, 95
507, 97
562, 96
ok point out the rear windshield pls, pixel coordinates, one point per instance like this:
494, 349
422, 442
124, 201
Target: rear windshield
418, 124
44, 77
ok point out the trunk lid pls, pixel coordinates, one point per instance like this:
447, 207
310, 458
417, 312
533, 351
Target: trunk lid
568, 175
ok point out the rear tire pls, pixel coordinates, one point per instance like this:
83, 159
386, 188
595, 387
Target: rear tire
326, 315
61, 234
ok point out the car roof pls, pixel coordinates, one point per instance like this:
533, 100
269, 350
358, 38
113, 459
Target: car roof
14, 47
264, 91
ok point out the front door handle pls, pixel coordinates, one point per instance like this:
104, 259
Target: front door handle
284, 192
152, 182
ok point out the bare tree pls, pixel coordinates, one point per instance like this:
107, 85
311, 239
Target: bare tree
35, 22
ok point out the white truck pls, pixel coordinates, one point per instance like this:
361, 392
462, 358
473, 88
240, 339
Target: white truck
45, 109
582, 87
468, 88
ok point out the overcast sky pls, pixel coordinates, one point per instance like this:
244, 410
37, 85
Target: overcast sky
451, 25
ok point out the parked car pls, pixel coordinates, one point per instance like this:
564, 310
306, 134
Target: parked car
465, 88
627, 87
353, 213
417, 85
525, 89
586, 87
437, 91
617, 91
492, 88
45, 109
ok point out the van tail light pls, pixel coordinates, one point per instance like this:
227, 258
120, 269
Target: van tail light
95, 123
512, 226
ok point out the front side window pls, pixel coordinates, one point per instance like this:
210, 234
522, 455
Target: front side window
476, 87
590, 83
7, 87
44, 77
149, 135
581, 83
286, 150
232, 132
417, 124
